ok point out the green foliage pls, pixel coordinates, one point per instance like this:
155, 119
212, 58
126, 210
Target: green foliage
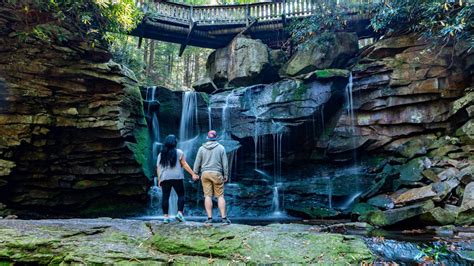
94, 19
436, 20
433, 252
327, 19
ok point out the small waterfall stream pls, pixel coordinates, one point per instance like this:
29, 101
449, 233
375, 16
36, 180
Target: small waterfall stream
188, 128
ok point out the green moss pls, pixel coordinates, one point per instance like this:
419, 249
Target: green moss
275, 93
300, 91
331, 73
205, 97
142, 151
167, 107
201, 242
376, 218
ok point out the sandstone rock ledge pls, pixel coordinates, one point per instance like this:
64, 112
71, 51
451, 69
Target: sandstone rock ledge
112, 241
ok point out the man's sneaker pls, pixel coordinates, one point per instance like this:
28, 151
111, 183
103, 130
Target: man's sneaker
167, 220
226, 221
208, 222
180, 217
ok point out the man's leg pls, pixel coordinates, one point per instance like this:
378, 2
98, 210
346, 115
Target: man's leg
221, 204
207, 189
219, 193
208, 206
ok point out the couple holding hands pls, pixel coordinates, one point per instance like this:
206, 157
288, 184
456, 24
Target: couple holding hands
211, 162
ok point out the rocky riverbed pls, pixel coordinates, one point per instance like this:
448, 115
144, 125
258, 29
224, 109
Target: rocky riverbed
115, 241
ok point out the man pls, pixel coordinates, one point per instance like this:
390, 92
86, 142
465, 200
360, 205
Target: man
211, 162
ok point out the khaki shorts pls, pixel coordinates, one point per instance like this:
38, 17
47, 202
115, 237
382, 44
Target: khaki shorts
212, 184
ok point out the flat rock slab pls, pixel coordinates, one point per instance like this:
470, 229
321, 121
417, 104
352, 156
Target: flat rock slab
112, 241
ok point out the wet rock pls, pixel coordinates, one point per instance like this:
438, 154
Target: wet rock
393, 216
270, 109
329, 53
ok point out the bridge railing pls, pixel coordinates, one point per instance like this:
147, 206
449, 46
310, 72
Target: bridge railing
266, 11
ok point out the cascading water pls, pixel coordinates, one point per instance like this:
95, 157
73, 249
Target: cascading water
329, 191
350, 114
352, 132
188, 129
209, 114
226, 118
275, 201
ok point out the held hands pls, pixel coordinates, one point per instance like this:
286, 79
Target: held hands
195, 177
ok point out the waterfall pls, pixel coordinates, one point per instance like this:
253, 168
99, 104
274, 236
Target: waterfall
226, 118
209, 116
350, 114
329, 191
188, 128
322, 118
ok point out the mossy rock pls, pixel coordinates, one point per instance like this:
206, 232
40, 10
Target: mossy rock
256, 245
312, 212
331, 73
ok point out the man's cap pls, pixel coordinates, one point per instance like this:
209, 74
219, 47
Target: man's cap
212, 135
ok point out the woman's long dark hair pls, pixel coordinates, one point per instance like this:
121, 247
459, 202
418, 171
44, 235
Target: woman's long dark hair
169, 154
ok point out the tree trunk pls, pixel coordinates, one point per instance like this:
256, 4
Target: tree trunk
197, 67
152, 57
145, 55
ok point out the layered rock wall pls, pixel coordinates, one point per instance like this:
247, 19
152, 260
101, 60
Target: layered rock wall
73, 137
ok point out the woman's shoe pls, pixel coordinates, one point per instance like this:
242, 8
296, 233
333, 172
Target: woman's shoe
208, 222
225, 221
180, 217
167, 220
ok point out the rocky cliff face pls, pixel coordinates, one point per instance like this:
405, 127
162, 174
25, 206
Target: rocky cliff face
401, 89
403, 110
73, 134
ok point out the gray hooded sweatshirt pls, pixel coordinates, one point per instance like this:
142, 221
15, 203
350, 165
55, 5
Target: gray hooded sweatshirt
211, 157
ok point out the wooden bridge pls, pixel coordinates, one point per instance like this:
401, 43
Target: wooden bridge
215, 26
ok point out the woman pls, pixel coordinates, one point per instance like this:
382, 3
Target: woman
169, 169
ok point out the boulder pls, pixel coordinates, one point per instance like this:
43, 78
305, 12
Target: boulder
270, 109
381, 201
411, 171
436, 191
466, 210
312, 212
243, 62
466, 132
205, 85
393, 216
440, 216
322, 53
